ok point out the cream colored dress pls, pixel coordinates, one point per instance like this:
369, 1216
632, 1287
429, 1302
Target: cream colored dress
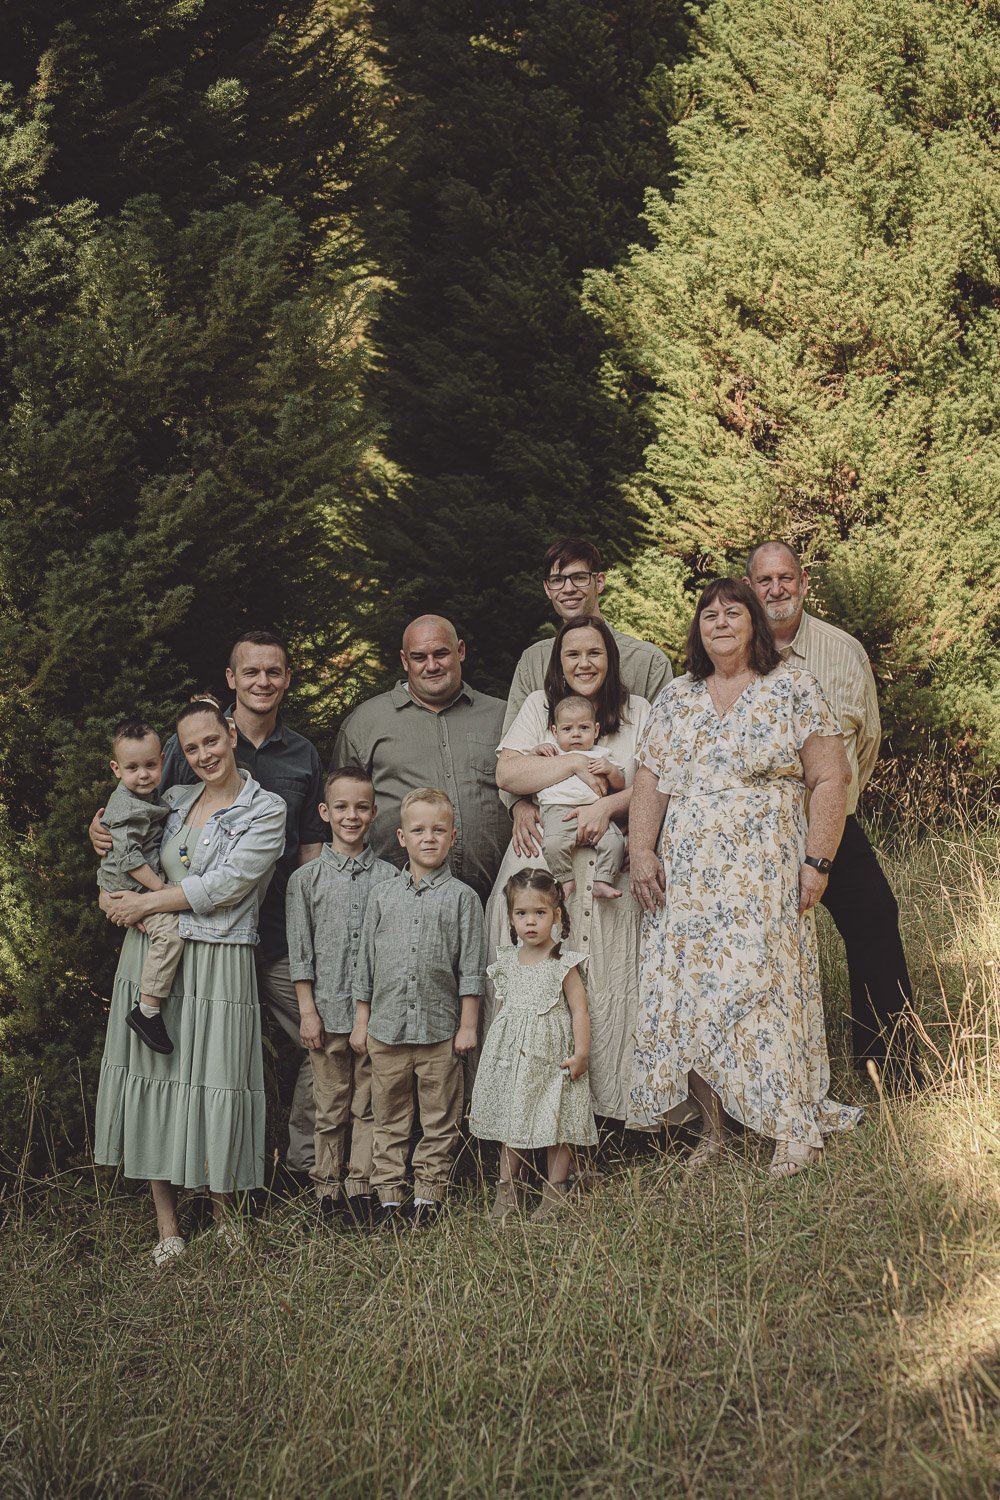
607, 932
730, 978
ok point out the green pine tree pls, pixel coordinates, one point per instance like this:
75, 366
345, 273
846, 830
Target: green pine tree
814, 334
179, 373
523, 136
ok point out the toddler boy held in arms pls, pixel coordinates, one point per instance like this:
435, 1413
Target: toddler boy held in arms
325, 908
575, 730
418, 983
134, 817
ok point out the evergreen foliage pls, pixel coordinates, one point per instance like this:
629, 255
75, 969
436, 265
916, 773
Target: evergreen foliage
523, 137
814, 334
179, 373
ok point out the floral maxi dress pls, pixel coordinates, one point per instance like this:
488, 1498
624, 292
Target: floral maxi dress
522, 1097
729, 973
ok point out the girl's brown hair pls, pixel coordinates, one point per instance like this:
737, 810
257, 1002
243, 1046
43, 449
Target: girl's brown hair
538, 880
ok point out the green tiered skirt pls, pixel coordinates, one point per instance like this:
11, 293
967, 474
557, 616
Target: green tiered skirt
196, 1117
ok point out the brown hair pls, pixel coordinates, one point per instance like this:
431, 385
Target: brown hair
348, 773
204, 703
763, 652
131, 729
570, 699
537, 880
257, 638
612, 697
567, 550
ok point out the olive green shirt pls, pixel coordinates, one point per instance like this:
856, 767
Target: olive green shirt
403, 745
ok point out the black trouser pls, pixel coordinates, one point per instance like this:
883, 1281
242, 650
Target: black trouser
860, 901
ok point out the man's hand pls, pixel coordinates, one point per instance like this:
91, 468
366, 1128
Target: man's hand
647, 881
465, 1040
311, 1032
527, 835
99, 835
811, 887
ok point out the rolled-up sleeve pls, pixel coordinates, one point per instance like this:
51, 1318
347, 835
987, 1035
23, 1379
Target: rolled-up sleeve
246, 863
471, 952
126, 841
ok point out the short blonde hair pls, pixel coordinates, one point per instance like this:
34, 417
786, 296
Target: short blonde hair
426, 794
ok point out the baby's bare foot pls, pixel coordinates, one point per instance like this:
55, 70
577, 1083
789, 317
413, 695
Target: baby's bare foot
569, 886
605, 892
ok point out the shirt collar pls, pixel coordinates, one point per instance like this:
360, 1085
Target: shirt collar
277, 733
440, 875
401, 697
349, 862
799, 642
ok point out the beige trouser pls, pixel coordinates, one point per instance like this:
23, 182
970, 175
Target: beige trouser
166, 948
342, 1089
559, 843
440, 1084
277, 992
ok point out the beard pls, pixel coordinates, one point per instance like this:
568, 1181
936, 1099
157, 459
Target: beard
782, 610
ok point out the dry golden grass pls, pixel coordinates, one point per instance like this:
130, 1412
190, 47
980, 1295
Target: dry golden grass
833, 1335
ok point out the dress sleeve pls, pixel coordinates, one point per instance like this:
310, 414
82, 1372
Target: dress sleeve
530, 726
497, 971
568, 959
654, 751
810, 711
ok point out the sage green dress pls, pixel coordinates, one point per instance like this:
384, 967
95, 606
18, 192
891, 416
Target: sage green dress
196, 1117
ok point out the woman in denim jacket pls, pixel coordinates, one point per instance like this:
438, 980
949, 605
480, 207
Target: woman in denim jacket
195, 1116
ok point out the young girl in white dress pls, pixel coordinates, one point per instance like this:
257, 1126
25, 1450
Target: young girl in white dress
531, 1089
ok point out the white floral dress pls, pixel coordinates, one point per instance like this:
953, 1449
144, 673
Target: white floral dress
729, 974
521, 1096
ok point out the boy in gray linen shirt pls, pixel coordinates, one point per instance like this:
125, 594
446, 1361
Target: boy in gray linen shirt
324, 908
134, 817
417, 988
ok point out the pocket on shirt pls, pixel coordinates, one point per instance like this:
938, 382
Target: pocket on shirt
483, 759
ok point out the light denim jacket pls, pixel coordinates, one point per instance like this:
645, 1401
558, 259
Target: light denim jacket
232, 861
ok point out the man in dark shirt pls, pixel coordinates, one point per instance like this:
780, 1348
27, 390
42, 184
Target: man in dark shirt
286, 763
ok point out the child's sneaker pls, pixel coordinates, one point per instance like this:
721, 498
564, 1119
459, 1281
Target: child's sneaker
357, 1211
425, 1215
149, 1029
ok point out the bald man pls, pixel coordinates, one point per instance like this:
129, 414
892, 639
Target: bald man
433, 729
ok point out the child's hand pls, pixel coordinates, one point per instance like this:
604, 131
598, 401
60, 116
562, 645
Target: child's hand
359, 1039
311, 1030
465, 1040
576, 1065
546, 747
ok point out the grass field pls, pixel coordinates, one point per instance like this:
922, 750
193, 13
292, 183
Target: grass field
833, 1335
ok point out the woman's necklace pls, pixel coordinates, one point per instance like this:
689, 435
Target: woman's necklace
735, 688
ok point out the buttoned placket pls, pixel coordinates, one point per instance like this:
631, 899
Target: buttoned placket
411, 992
587, 903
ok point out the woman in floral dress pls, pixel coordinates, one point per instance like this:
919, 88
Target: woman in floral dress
730, 1006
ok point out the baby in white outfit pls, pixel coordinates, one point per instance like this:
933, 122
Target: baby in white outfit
575, 730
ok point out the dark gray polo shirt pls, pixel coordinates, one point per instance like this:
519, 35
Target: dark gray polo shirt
285, 763
403, 745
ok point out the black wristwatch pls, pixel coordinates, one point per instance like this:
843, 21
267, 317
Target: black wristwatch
822, 865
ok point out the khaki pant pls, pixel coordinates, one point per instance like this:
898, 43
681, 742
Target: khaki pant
342, 1089
440, 1084
559, 843
166, 949
277, 992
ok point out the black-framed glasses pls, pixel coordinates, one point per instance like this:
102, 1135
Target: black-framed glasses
558, 581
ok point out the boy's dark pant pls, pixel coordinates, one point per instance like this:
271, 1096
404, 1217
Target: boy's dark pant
440, 1079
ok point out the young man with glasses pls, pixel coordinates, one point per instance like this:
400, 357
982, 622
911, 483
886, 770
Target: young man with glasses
573, 579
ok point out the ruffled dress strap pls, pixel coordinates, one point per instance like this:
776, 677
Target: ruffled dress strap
570, 959
499, 971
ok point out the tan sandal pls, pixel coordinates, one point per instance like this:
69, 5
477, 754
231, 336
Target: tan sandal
508, 1199
705, 1154
791, 1157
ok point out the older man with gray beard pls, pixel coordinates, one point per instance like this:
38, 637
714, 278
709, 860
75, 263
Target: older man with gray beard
858, 896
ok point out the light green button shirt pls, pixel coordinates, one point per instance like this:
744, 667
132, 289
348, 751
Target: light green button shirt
840, 665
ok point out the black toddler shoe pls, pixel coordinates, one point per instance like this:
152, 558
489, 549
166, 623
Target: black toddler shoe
150, 1030
358, 1212
425, 1215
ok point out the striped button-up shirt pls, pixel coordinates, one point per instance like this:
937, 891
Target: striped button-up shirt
842, 669
422, 949
324, 910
